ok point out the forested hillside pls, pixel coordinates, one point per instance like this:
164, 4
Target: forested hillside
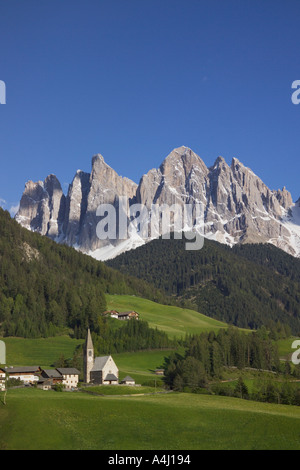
46, 287
248, 285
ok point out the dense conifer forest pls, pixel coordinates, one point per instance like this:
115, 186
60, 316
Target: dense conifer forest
46, 288
247, 286
208, 356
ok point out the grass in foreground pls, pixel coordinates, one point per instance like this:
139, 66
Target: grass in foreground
34, 419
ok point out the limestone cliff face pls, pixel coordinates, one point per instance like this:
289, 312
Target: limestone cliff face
72, 219
42, 207
238, 207
105, 186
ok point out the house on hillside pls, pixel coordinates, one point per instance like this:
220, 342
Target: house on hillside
111, 313
130, 315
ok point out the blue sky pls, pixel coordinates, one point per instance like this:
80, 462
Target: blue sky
133, 79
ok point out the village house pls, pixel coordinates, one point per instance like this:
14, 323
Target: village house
49, 378
67, 376
52, 374
70, 377
45, 384
26, 374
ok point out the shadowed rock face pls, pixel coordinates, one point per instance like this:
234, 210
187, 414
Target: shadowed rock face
42, 207
238, 206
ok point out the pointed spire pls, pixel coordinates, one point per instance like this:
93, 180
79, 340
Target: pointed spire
88, 341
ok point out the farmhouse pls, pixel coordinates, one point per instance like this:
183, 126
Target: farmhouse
130, 315
52, 374
70, 377
27, 374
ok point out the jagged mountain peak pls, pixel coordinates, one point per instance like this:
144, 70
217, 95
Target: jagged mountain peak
238, 206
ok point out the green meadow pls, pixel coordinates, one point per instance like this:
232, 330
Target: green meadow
141, 365
285, 347
35, 419
175, 321
111, 420
39, 352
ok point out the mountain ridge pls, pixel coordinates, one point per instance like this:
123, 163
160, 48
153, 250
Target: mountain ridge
238, 206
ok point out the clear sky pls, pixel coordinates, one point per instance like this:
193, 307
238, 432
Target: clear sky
133, 79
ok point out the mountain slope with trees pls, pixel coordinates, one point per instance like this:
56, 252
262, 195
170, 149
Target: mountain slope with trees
46, 287
248, 285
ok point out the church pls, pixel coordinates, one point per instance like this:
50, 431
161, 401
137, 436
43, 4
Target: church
99, 370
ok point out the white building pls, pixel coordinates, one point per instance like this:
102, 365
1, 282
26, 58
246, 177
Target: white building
104, 371
70, 377
26, 374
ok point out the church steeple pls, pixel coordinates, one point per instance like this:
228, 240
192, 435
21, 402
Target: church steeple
88, 357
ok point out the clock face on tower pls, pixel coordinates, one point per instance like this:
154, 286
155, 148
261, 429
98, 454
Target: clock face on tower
90, 359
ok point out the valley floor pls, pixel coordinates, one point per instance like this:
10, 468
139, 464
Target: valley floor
35, 419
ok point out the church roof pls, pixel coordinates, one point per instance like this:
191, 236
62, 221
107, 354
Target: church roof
100, 363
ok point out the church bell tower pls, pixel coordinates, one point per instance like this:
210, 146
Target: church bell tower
88, 357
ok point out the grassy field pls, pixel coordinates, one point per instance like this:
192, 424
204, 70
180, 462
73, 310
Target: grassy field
34, 419
141, 365
44, 352
175, 321
285, 347
121, 390
39, 352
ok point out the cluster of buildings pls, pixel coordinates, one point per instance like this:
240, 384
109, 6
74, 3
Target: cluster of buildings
97, 370
43, 378
130, 315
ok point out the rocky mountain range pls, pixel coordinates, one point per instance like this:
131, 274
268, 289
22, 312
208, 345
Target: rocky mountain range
237, 206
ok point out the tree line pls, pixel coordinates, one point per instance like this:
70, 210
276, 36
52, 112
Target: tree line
209, 355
